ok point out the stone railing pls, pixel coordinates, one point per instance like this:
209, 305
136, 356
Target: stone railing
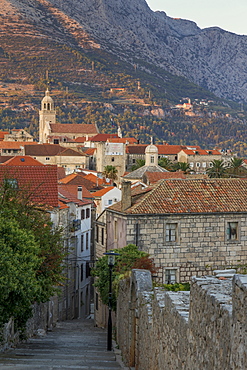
202, 329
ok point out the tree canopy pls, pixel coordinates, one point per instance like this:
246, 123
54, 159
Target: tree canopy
31, 255
129, 257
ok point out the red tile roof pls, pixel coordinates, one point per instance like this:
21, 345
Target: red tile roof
191, 197
82, 128
201, 152
39, 181
153, 177
102, 137
20, 160
15, 144
90, 151
2, 133
51, 150
96, 179
77, 179
66, 196
102, 192
73, 189
125, 140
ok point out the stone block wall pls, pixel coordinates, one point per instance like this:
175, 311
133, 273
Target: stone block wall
202, 329
201, 245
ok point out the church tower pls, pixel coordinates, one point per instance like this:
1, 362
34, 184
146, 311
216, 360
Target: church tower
47, 116
151, 155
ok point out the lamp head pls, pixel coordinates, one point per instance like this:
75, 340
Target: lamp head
111, 258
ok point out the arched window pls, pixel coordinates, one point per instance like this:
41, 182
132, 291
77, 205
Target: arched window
48, 106
44, 105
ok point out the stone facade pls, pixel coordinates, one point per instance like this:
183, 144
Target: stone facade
201, 243
201, 329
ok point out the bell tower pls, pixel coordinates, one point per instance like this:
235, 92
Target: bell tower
47, 116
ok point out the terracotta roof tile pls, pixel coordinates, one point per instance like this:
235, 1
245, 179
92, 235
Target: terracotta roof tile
96, 179
80, 128
192, 196
77, 179
67, 196
125, 140
20, 160
15, 144
102, 192
41, 181
153, 177
73, 189
102, 137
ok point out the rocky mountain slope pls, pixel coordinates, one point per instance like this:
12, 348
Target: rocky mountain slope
212, 57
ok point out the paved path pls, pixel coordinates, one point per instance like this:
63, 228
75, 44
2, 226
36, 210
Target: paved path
75, 344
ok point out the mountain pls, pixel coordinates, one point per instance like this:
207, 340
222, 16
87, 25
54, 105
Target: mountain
211, 57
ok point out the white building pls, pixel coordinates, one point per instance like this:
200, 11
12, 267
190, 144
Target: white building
106, 197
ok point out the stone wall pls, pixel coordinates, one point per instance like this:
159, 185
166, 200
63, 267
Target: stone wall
201, 245
202, 329
44, 318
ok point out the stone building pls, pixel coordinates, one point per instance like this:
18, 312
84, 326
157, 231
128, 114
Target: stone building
188, 226
67, 158
199, 159
151, 165
52, 132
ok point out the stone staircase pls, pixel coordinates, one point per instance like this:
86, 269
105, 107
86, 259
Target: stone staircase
75, 344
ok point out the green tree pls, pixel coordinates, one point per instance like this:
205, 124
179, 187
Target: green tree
139, 163
110, 172
235, 166
217, 170
182, 166
37, 250
166, 163
130, 257
20, 261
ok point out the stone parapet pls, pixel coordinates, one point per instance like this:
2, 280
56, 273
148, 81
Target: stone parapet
202, 329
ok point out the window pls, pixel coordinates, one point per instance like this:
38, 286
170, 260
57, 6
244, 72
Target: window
47, 158
110, 202
87, 240
232, 231
170, 276
82, 214
87, 270
115, 230
55, 141
204, 164
82, 272
87, 212
152, 159
210, 164
133, 161
198, 164
97, 301
112, 159
191, 164
171, 232
82, 243
97, 234
102, 236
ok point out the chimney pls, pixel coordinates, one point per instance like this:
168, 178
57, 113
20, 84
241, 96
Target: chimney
79, 192
126, 195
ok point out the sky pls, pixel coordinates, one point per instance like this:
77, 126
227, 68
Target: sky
228, 15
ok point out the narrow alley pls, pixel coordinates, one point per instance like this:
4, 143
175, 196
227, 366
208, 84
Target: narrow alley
75, 344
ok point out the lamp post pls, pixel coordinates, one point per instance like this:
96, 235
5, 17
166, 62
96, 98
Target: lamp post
111, 262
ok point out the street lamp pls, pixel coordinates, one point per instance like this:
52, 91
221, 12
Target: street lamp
111, 262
